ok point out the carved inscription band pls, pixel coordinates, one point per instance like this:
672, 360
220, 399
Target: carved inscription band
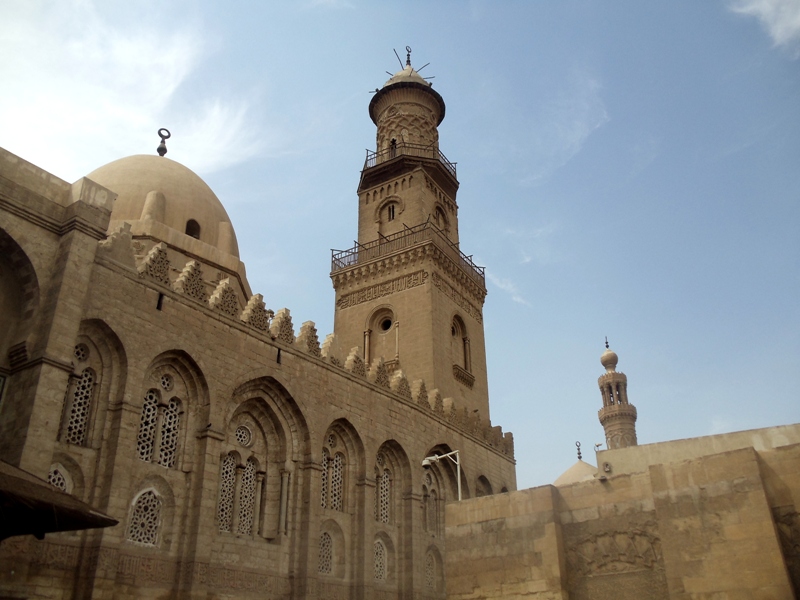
451, 293
380, 290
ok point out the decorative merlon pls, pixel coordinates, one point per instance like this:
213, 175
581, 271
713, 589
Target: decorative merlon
190, 282
307, 340
331, 350
378, 373
224, 299
156, 265
118, 247
256, 315
281, 328
355, 364
399, 385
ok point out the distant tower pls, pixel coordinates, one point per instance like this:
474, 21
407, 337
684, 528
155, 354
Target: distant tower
406, 292
618, 416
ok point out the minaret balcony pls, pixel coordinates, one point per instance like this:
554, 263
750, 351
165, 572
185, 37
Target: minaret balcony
418, 235
404, 149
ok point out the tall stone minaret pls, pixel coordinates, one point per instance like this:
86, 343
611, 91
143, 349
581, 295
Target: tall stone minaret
618, 416
406, 292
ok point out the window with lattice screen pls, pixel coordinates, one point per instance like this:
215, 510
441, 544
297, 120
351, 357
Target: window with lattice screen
384, 496
337, 482
247, 497
59, 479
430, 571
169, 433
145, 441
326, 459
325, 553
145, 519
227, 488
380, 561
80, 406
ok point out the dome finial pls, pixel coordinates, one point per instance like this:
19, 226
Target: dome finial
606, 342
408, 56
578, 446
164, 134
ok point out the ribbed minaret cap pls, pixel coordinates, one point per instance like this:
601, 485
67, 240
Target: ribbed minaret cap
609, 360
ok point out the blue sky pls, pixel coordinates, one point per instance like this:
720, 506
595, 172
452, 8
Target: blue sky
627, 169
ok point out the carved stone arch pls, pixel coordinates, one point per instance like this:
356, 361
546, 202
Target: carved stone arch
440, 218
380, 208
391, 563
19, 301
275, 403
339, 561
182, 387
445, 472
106, 356
162, 489
483, 487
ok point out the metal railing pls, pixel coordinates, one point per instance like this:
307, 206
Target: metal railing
404, 149
410, 236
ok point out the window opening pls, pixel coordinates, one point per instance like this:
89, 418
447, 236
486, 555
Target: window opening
325, 553
147, 426
145, 519
227, 481
326, 459
79, 410
379, 551
193, 229
57, 479
337, 482
247, 498
390, 212
169, 434
430, 571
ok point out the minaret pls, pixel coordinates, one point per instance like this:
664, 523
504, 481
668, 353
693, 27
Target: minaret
406, 292
618, 416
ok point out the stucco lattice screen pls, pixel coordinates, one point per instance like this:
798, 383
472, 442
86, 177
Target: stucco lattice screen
247, 498
325, 553
384, 492
379, 551
56, 478
147, 426
169, 433
227, 483
326, 458
79, 411
145, 519
430, 571
337, 482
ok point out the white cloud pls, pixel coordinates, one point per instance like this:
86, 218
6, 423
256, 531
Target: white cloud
533, 244
82, 90
781, 19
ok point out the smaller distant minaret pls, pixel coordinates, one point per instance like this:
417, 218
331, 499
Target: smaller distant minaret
618, 416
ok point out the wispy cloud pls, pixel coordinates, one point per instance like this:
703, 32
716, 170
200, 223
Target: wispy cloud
781, 19
507, 286
83, 90
533, 245
720, 425
563, 127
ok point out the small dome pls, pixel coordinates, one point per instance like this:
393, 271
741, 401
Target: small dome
176, 196
407, 75
580, 471
609, 360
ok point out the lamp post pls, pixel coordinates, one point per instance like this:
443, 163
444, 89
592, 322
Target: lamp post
435, 458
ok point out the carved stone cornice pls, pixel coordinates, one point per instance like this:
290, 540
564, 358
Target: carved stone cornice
373, 271
617, 412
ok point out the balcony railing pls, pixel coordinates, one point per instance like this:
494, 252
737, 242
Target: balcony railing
403, 149
410, 236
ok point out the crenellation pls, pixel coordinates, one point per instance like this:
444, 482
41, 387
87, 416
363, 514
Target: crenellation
190, 282
420, 394
355, 364
378, 374
156, 264
399, 385
224, 299
256, 315
331, 350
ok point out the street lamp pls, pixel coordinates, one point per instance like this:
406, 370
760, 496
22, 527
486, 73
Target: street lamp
435, 458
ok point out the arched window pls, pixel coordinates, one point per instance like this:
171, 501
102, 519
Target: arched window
170, 416
333, 474
325, 554
145, 519
383, 490
193, 228
430, 505
59, 478
247, 497
380, 561
390, 211
430, 571
227, 487
80, 406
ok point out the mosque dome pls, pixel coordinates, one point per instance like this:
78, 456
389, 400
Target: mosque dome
408, 74
157, 188
406, 79
609, 360
580, 471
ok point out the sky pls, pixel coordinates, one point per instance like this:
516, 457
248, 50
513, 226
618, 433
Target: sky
628, 169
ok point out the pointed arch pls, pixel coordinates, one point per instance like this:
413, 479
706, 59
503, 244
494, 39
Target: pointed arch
445, 472
19, 298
